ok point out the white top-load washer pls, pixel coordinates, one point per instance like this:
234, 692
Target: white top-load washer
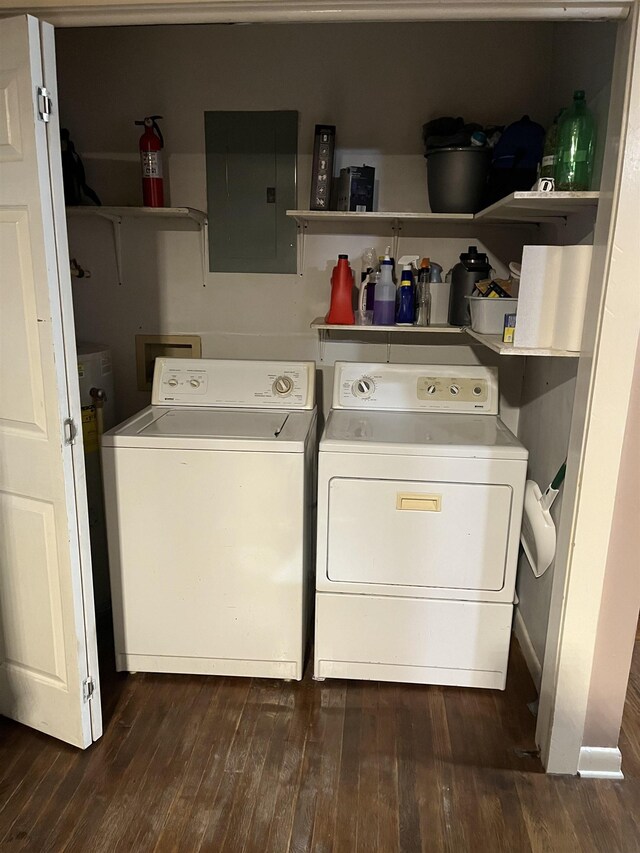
420, 494
208, 500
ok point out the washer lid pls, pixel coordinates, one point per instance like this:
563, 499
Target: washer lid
203, 423
161, 427
420, 434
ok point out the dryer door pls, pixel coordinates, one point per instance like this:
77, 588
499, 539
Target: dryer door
418, 533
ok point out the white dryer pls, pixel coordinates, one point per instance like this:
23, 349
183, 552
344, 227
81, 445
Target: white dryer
208, 496
420, 494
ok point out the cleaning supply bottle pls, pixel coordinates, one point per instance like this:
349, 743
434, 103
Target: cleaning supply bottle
576, 146
369, 265
384, 305
406, 308
370, 299
341, 309
423, 294
435, 272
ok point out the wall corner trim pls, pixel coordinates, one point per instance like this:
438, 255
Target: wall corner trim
600, 762
528, 651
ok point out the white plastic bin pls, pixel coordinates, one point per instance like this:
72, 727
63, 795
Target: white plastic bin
487, 314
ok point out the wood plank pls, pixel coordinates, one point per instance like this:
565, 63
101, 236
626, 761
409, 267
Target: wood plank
246, 791
222, 764
332, 702
168, 764
234, 693
82, 801
291, 768
386, 740
115, 811
267, 792
346, 836
431, 746
178, 814
368, 813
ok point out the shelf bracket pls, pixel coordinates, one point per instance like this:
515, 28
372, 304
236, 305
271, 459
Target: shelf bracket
396, 228
302, 230
204, 242
116, 226
322, 341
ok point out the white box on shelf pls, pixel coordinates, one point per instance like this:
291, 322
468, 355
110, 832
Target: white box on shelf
552, 296
487, 314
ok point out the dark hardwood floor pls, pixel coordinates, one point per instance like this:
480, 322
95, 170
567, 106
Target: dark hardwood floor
220, 764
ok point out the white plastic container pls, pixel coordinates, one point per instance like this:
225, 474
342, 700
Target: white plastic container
440, 295
487, 314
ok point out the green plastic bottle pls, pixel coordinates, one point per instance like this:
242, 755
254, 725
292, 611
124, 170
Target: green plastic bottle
576, 146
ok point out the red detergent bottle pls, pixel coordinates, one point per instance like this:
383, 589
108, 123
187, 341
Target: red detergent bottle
341, 308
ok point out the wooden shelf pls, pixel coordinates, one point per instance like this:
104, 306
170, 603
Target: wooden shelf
160, 215
537, 207
320, 325
525, 207
386, 333
495, 343
109, 212
392, 218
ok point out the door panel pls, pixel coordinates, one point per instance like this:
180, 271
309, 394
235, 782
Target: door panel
45, 607
30, 589
418, 533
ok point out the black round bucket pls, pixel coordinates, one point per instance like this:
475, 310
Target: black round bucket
457, 179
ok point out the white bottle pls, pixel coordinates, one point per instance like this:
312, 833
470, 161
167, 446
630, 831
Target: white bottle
384, 306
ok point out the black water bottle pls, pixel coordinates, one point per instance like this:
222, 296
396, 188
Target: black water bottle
473, 267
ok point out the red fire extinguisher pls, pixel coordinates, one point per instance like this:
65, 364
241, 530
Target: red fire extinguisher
151, 143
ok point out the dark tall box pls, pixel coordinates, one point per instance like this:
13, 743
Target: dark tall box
355, 189
322, 168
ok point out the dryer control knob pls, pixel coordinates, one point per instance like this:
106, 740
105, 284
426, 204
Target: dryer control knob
172, 382
195, 383
431, 389
454, 389
283, 386
363, 387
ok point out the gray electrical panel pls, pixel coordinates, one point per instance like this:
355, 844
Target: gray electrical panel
251, 183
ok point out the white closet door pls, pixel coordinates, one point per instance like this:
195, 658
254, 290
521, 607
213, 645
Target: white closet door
48, 657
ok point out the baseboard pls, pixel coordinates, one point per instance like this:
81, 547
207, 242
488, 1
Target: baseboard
529, 653
600, 762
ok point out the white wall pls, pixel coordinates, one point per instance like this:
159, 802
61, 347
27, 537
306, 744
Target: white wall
621, 594
545, 420
582, 59
360, 77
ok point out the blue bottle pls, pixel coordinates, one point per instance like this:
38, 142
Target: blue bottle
406, 309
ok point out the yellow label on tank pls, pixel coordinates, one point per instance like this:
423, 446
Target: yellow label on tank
90, 429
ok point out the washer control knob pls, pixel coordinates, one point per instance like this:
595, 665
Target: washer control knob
477, 390
195, 383
363, 387
431, 389
172, 382
454, 389
283, 386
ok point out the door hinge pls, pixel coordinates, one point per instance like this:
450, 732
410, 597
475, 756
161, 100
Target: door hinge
88, 688
45, 104
70, 431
